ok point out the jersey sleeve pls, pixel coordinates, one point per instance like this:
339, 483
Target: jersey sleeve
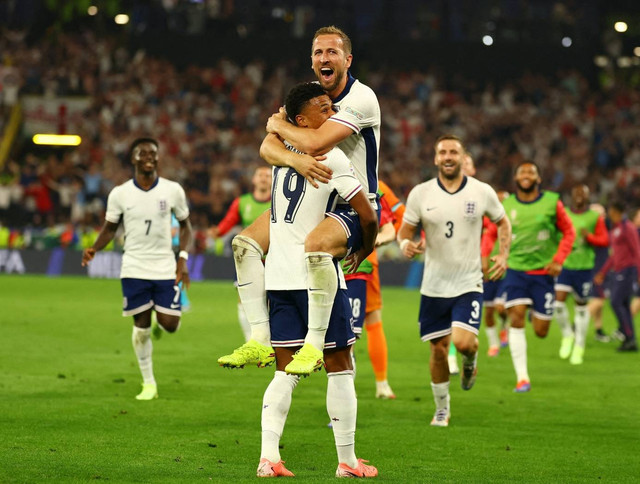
412, 209
114, 206
180, 208
359, 111
600, 236
495, 210
343, 180
231, 218
563, 222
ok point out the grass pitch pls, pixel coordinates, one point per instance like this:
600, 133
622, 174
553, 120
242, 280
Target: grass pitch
68, 414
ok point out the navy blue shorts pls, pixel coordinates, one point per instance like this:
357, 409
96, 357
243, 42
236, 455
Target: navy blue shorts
439, 314
493, 292
532, 290
142, 294
579, 282
350, 222
289, 316
357, 291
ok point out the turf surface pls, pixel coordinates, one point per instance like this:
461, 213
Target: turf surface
68, 377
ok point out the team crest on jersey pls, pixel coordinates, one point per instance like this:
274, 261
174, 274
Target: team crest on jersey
470, 208
162, 205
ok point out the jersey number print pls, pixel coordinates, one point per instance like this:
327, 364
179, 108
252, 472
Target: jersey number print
293, 188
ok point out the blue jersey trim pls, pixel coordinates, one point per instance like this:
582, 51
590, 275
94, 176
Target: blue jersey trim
155, 183
372, 158
462, 185
347, 88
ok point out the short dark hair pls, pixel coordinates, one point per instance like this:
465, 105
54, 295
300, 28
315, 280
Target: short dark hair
139, 141
618, 205
527, 162
299, 96
452, 137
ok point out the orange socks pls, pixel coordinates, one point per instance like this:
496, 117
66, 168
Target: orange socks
377, 345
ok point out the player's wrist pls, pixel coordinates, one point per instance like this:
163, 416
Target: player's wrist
183, 254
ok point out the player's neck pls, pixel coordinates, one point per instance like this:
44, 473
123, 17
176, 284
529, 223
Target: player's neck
341, 87
528, 196
451, 185
261, 195
146, 181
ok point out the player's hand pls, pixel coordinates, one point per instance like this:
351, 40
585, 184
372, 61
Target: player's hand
273, 123
413, 249
499, 267
598, 278
213, 232
353, 261
584, 232
553, 268
311, 168
88, 255
182, 273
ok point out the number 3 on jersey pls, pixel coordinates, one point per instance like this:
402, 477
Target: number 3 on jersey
293, 189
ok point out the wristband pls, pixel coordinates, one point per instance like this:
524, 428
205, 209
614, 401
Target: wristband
183, 254
403, 244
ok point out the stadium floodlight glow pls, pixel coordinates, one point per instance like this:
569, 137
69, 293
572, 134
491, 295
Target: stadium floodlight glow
624, 62
636, 51
487, 40
566, 41
121, 19
57, 139
92, 10
601, 60
620, 26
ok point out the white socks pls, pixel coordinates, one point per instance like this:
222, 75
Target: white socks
247, 256
143, 348
492, 335
342, 407
582, 325
275, 408
441, 395
322, 280
562, 316
244, 324
518, 348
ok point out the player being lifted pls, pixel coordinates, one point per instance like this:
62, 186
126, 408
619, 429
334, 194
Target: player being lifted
296, 210
150, 275
355, 129
577, 274
450, 209
542, 240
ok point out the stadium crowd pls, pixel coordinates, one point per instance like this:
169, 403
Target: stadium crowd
211, 121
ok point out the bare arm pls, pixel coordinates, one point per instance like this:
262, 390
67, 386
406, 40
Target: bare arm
274, 152
308, 140
369, 223
106, 235
408, 246
186, 237
499, 266
386, 234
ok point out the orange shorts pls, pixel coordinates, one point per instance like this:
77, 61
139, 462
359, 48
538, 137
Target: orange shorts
374, 295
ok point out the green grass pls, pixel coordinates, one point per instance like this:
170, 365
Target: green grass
67, 413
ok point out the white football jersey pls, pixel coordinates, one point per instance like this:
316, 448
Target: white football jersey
358, 109
452, 223
146, 217
296, 209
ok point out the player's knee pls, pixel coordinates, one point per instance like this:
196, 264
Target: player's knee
243, 246
439, 351
541, 332
170, 324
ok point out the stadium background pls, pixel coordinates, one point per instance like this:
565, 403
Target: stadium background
557, 84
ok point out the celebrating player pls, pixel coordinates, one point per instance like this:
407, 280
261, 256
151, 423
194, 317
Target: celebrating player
296, 210
577, 273
356, 130
450, 209
538, 221
149, 273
